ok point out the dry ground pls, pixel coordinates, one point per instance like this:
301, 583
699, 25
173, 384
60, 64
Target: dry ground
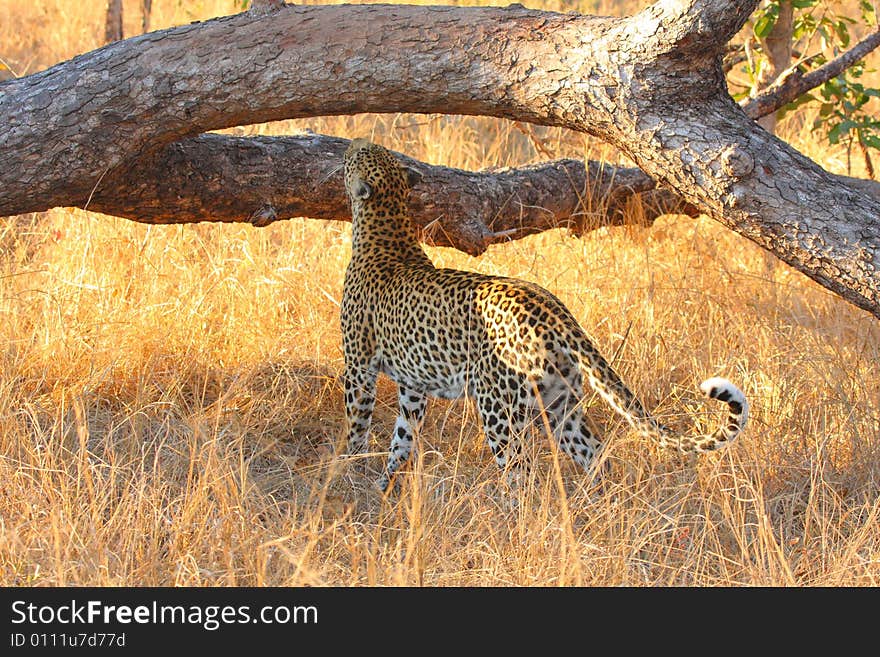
170, 395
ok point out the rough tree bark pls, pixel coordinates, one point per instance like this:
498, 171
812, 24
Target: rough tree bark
259, 180
263, 179
266, 6
221, 177
651, 84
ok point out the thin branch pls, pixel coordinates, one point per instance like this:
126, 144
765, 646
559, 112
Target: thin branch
146, 10
113, 21
793, 83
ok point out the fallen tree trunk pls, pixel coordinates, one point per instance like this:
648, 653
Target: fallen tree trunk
261, 179
650, 84
264, 179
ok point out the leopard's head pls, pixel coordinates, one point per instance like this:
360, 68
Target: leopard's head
374, 175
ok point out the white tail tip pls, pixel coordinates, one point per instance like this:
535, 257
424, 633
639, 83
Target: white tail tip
723, 390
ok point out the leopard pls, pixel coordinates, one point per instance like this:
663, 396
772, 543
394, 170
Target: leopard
508, 344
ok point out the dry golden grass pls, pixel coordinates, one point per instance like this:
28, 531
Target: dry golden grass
168, 396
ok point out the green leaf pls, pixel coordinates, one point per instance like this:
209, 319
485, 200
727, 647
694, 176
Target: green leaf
804, 24
801, 100
868, 13
803, 4
764, 25
842, 33
872, 141
793, 105
833, 88
826, 38
834, 134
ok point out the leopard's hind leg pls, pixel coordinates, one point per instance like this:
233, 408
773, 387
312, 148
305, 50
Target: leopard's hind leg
558, 400
504, 414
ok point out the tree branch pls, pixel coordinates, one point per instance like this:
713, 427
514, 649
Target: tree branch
84, 122
262, 179
160, 87
694, 29
113, 21
793, 83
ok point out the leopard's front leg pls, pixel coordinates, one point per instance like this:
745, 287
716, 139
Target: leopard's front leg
411, 405
359, 388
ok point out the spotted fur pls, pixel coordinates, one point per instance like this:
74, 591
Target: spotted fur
511, 345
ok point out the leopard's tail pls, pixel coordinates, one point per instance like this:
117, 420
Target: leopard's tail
605, 381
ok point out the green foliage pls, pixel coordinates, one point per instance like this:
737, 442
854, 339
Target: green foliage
767, 20
843, 115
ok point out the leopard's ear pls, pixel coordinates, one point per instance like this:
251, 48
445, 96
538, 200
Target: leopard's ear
413, 176
360, 189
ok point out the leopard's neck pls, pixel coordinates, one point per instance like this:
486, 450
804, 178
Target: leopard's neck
384, 226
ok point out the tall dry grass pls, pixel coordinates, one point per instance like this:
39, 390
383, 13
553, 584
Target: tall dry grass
169, 395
